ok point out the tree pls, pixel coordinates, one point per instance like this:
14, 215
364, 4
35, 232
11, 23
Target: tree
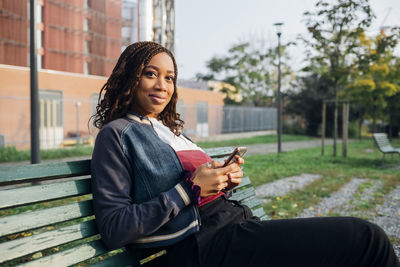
307, 101
374, 76
334, 28
250, 70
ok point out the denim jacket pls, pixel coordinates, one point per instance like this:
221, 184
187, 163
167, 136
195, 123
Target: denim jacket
139, 197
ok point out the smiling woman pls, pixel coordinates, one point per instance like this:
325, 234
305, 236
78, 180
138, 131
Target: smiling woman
154, 188
156, 86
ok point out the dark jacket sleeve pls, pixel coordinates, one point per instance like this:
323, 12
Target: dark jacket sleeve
119, 220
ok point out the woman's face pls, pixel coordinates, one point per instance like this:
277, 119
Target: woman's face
156, 86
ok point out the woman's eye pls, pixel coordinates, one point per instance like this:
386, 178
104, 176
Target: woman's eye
170, 78
150, 74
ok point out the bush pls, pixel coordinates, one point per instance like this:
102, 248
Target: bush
293, 127
10, 153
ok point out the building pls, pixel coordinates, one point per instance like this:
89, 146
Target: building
67, 100
80, 36
78, 44
149, 20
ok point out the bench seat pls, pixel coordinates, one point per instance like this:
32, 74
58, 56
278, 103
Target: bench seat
383, 144
47, 219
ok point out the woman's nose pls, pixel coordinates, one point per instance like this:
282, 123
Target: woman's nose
161, 84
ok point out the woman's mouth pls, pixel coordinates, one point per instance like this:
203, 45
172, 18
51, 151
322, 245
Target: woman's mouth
158, 99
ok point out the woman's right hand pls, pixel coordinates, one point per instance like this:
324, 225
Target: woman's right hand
212, 178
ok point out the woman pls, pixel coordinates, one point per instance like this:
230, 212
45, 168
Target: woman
154, 188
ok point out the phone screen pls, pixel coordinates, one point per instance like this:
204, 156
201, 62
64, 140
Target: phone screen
237, 151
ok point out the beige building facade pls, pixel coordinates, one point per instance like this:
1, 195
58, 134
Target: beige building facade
67, 101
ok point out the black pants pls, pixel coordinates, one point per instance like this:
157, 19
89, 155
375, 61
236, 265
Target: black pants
231, 237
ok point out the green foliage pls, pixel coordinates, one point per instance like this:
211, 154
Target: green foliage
307, 101
293, 128
334, 28
373, 81
12, 154
250, 70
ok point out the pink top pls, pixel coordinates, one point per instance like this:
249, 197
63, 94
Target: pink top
191, 160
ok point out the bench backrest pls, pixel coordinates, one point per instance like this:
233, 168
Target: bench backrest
46, 215
382, 142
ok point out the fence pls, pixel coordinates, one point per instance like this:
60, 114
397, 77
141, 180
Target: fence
64, 121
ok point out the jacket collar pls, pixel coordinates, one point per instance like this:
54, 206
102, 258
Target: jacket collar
138, 118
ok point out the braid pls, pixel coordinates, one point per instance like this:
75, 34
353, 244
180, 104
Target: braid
120, 88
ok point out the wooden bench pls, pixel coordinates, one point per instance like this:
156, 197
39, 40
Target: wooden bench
382, 141
46, 216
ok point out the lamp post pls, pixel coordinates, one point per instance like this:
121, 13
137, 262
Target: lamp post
35, 119
279, 100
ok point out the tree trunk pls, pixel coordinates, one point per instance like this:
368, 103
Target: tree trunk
374, 120
360, 123
335, 126
390, 125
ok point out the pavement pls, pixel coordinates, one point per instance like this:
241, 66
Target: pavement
258, 149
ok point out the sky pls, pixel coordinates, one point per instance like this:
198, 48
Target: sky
206, 28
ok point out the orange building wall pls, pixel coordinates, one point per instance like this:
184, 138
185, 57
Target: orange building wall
15, 102
14, 25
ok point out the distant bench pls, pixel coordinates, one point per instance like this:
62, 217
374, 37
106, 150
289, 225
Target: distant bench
47, 219
382, 141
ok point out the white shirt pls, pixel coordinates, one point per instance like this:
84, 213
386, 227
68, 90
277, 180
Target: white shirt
178, 143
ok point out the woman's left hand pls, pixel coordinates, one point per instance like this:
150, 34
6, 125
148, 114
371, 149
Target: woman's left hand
235, 178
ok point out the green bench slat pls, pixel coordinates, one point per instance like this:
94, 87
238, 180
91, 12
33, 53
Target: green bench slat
37, 193
241, 195
23, 246
245, 181
45, 170
30, 220
252, 202
70, 256
259, 212
121, 259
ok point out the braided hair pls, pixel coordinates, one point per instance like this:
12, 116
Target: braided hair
120, 88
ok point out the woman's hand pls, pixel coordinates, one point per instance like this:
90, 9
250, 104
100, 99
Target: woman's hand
235, 178
212, 177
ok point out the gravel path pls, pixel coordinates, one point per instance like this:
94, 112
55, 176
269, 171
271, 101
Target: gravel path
350, 208
285, 186
388, 216
339, 198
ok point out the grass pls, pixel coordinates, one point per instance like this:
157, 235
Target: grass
262, 139
363, 161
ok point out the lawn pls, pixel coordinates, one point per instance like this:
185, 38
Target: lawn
363, 161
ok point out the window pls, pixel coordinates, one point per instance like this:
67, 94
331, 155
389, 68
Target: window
51, 108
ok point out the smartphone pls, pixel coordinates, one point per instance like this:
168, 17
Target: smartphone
240, 151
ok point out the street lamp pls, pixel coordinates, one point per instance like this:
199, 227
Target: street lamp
279, 33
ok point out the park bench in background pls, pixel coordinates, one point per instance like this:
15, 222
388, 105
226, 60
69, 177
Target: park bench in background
382, 141
46, 216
